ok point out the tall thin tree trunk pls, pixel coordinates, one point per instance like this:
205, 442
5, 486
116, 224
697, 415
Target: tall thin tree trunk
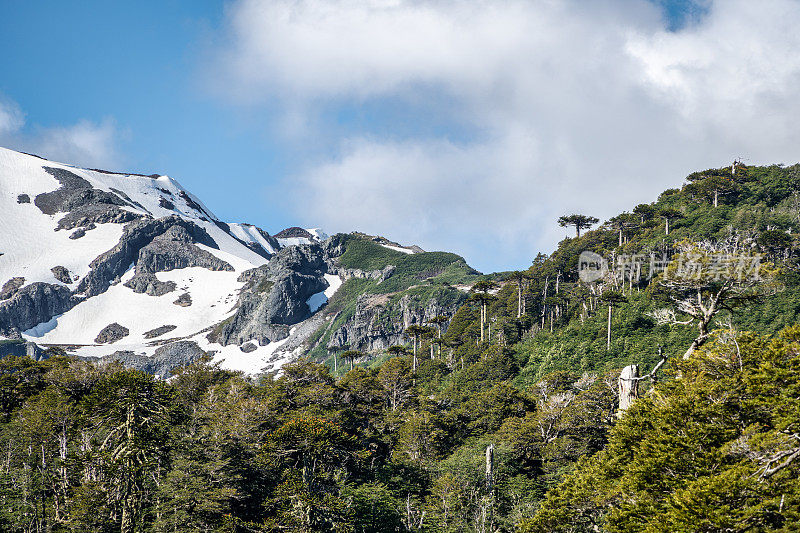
483, 319
544, 300
608, 334
628, 387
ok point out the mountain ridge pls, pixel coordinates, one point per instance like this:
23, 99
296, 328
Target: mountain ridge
99, 247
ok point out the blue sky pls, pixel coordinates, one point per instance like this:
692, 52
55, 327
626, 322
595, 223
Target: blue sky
459, 126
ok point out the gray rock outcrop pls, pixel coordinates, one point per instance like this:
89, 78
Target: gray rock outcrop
184, 300
61, 274
275, 296
166, 359
138, 234
83, 203
32, 305
78, 233
111, 334
148, 283
379, 321
10, 287
157, 332
86, 216
23, 199
20, 348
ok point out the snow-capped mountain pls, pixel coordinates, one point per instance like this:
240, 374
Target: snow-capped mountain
103, 263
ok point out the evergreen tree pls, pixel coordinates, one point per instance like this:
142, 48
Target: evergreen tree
579, 222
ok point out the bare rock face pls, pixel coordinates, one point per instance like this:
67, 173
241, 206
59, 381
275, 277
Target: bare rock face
78, 233
147, 283
23, 199
166, 359
111, 334
20, 348
61, 274
380, 322
83, 204
10, 287
89, 215
157, 332
137, 235
248, 347
32, 305
275, 296
293, 232
171, 250
184, 300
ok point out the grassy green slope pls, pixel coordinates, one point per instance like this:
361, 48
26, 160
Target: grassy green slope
421, 276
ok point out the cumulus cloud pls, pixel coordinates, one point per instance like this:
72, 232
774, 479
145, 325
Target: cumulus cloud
565, 106
11, 116
84, 143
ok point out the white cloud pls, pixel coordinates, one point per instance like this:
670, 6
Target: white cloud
84, 143
11, 116
576, 106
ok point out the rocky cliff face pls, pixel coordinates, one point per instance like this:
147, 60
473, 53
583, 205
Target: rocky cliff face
172, 250
275, 296
380, 320
140, 260
32, 305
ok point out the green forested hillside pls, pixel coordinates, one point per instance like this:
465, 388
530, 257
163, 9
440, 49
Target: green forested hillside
711, 444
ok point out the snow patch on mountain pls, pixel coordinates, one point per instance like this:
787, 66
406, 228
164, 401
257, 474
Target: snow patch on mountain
32, 246
319, 299
397, 248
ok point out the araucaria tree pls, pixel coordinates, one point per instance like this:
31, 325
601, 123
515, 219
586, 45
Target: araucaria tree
520, 277
612, 298
669, 214
711, 188
480, 294
621, 223
705, 279
578, 221
415, 331
351, 355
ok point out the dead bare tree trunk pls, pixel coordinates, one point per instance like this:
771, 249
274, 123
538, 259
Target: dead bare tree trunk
628, 386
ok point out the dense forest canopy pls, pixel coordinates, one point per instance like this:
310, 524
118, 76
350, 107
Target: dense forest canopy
506, 420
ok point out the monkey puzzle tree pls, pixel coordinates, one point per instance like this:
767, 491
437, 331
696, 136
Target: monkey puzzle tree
480, 294
711, 187
621, 223
396, 350
669, 214
644, 212
437, 321
611, 298
416, 331
334, 350
351, 355
131, 407
578, 221
520, 277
